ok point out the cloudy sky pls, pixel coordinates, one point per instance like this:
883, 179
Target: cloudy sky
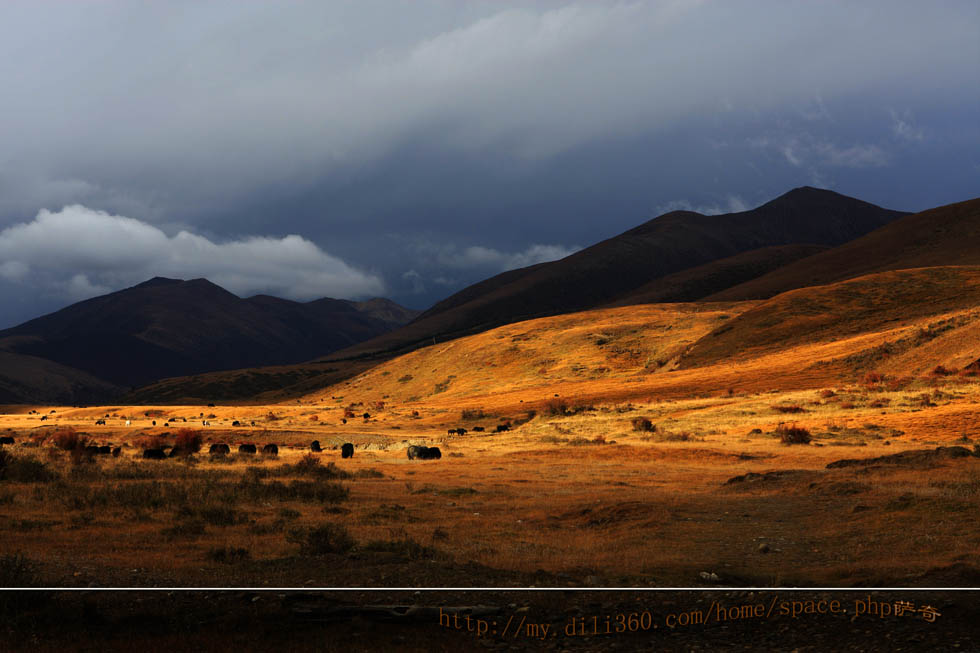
408, 149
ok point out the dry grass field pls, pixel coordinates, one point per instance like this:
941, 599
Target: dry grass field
644, 448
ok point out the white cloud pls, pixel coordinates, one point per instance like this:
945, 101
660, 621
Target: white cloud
904, 127
804, 150
413, 277
116, 251
487, 257
855, 156
733, 204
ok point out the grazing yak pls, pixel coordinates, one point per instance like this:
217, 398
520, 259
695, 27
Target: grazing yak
246, 448
503, 427
100, 422
104, 450
154, 454
424, 453
270, 450
6, 439
219, 449
116, 451
347, 450
236, 423
315, 446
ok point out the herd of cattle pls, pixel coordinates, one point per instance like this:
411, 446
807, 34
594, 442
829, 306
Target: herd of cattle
415, 452
220, 449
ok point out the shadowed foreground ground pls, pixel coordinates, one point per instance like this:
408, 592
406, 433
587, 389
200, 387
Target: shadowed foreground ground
371, 621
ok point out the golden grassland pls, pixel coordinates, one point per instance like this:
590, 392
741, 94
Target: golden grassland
573, 493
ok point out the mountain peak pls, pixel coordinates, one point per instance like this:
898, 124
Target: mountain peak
158, 281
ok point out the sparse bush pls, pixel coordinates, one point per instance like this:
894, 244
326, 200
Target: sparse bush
212, 515
847, 405
789, 409
557, 407
873, 378
684, 436
793, 434
473, 413
585, 441
228, 554
898, 383
18, 571
940, 370
406, 548
314, 418
643, 424
151, 442
189, 528
828, 393
312, 491
307, 463
370, 472
322, 540
67, 439
187, 441
405, 379
20, 469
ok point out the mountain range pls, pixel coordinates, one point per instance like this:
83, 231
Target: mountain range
105, 346
191, 340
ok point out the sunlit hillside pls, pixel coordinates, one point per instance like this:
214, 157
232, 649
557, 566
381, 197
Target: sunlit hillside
904, 322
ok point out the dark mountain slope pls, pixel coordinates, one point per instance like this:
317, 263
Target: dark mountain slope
167, 327
695, 283
615, 267
946, 235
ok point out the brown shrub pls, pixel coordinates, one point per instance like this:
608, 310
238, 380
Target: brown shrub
939, 370
307, 462
793, 434
151, 442
314, 418
847, 405
557, 407
898, 383
187, 441
828, 393
789, 409
643, 424
873, 378
67, 439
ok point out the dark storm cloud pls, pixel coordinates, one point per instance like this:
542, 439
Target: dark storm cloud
417, 147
